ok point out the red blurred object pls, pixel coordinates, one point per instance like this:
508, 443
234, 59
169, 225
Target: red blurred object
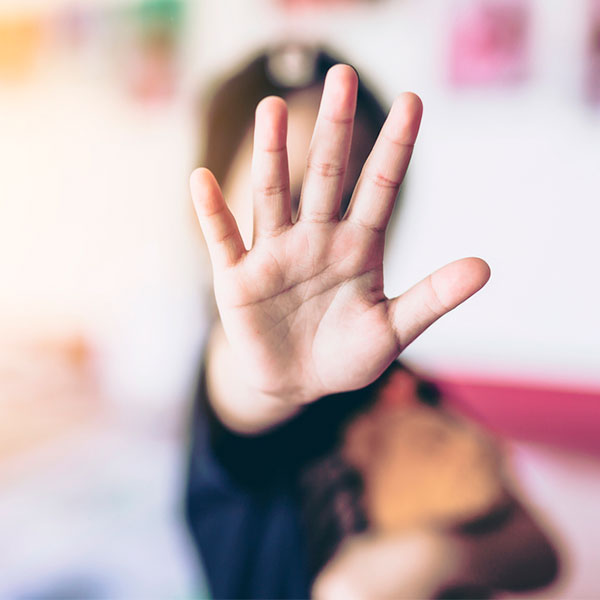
558, 416
593, 54
490, 43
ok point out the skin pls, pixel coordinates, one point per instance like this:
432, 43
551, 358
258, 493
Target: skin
302, 309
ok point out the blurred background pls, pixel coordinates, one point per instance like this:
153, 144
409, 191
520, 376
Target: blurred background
103, 276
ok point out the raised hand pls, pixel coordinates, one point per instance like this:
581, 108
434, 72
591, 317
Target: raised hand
303, 309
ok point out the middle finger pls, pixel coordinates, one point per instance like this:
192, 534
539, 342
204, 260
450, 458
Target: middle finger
330, 147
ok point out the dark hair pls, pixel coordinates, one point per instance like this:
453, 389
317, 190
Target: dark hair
230, 109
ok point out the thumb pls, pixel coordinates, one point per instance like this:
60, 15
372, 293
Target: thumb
416, 309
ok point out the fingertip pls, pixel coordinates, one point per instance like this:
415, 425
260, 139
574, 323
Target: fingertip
206, 193
198, 173
202, 178
481, 268
271, 106
404, 119
461, 279
411, 103
473, 271
198, 178
270, 131
339, 94
343, 73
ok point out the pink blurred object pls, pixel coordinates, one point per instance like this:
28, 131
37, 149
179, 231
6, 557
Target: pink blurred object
312, 4
592, 83
152, 73
490, 43
563, 417
74, 25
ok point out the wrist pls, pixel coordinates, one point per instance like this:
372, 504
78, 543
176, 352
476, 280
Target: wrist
241, 407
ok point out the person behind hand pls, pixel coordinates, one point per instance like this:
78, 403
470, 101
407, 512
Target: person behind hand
296, 244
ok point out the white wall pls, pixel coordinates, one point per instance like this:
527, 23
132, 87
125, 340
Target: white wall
97, 232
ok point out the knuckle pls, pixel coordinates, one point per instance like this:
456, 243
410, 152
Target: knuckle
337, 119
370, 227
381, 181
400, 143
325, 168
271, 190
319, 216
224, 237
213, 212
433, 300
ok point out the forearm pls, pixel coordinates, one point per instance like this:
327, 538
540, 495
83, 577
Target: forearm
239, 407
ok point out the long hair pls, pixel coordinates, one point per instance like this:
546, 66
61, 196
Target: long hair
282, 71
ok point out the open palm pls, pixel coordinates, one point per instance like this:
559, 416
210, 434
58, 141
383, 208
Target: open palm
304, 308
